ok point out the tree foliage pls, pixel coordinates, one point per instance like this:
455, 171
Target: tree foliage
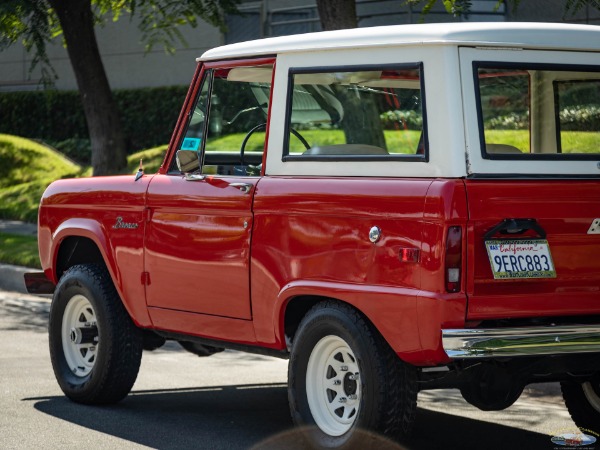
37, 22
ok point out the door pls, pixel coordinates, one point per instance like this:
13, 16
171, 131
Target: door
534, 189
197, 251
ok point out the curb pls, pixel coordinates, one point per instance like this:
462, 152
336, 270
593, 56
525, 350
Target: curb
11, 278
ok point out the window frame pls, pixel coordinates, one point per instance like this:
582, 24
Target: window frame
286, 157
204, 70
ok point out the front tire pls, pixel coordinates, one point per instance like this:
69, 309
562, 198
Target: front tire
583, 402
345, 382
95, 348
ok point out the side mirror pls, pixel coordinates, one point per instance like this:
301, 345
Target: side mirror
187, 160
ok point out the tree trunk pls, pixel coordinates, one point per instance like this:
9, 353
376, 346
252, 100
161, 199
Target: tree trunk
108, 143
337, 14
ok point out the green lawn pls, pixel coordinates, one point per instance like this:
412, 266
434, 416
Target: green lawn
26, 169
19, 250
404, 141
572, 141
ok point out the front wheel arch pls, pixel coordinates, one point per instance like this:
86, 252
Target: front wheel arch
74, 250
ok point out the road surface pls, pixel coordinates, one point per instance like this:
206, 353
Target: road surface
230, 400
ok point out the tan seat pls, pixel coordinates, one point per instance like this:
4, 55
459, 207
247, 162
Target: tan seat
502, 149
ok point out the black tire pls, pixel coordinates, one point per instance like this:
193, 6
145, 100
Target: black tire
383, 401
583, 402
110, 352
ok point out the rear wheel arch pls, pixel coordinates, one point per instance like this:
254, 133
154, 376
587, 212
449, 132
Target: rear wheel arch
297, 307
295, 310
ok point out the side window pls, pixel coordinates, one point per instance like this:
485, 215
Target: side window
228, 124
538, 111
578, 118
364, 113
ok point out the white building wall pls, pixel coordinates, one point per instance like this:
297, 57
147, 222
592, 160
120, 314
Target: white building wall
128, 66
126, 63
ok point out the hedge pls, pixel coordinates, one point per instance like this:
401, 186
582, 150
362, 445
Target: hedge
147, 115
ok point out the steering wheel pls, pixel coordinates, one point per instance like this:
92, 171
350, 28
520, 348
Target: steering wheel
264, 125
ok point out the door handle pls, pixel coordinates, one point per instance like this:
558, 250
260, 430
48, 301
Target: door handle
194, 177
244, 187
516, 226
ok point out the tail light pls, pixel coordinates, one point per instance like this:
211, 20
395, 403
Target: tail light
453, 265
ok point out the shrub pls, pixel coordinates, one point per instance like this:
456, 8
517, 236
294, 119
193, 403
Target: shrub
148, 117
410, 119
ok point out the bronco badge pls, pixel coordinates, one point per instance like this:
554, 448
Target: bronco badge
128, 225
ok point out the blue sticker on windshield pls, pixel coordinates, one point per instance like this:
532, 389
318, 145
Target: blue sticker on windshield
191, 144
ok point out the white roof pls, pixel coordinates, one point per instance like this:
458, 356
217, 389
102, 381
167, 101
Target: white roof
504, 34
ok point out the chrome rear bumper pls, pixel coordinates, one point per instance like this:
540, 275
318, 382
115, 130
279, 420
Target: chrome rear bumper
526, 341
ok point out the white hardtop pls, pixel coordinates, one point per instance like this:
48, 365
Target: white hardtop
502, 34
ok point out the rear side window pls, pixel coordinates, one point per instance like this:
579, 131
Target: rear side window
367, 113
535, 111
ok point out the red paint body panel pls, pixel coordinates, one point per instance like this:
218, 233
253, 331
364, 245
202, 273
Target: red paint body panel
89, 208
565, 210
310, 237
197, 248
202, 325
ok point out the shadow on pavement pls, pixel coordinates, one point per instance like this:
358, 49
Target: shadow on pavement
255, 416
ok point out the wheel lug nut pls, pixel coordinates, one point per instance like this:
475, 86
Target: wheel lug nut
344, 368
343, 400
337, 382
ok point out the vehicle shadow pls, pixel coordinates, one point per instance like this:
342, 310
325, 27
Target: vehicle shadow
255, 416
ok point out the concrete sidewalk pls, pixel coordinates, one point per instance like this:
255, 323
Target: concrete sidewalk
18, 227
11, 277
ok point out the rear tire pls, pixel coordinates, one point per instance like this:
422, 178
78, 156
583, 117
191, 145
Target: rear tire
583, 402
345, 382
95, 347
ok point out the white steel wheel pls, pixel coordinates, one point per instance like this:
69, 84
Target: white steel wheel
333, 385
79, 334
95, 347
345, 384
592, 395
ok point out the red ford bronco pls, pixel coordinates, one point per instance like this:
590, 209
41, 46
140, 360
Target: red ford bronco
393, 209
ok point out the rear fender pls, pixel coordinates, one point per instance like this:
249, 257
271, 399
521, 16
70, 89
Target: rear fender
392, 310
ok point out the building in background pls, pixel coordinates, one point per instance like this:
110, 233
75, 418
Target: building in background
129, 66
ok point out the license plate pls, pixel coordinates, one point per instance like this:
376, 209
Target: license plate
520, 259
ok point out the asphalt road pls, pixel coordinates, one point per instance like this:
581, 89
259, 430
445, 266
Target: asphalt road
228, 401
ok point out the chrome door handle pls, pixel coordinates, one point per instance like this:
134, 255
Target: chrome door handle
244, 187
194, 177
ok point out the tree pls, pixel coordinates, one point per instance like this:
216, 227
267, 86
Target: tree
337, 14
37, 22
